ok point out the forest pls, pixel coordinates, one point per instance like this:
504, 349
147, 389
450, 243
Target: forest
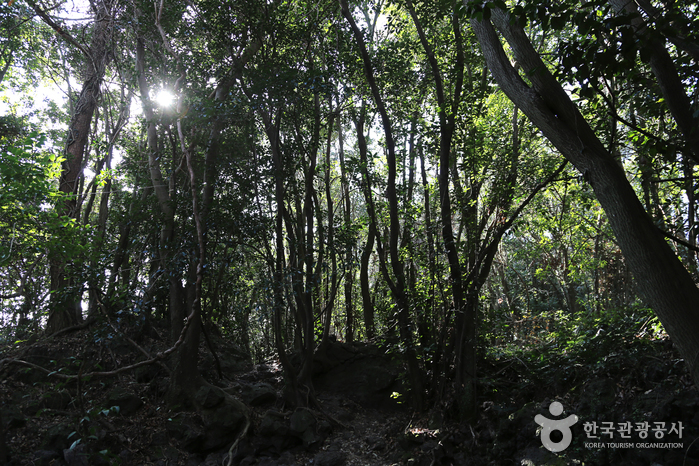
349, 232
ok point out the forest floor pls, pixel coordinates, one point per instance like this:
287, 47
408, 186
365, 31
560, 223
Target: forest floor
608, 381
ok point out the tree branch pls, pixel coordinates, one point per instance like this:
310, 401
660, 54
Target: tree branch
489, 251
59, 30
677, 240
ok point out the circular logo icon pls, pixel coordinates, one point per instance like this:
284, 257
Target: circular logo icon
561, 425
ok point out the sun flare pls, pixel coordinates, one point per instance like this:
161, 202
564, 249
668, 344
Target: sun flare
165, 98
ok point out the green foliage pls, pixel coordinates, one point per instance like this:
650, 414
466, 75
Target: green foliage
27, 221
582, 338
31, 229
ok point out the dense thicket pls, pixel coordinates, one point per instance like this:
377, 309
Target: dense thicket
425, 174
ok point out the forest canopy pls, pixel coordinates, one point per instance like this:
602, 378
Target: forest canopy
449, 178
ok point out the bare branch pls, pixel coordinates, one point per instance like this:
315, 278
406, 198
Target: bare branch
59, 30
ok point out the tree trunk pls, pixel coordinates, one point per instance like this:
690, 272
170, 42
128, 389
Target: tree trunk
398, 287
465, 341
662, 280
692, 232
330, 300
163, 190
367, 302
669, 81
65, 298
272, 130
347, 211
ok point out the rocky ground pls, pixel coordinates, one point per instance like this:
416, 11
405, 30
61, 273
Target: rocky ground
359, 418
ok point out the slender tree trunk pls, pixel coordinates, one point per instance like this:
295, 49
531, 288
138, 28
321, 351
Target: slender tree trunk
365, 286
65, 297
465, 330
112, 131
347, 211
330, 300
272, 130
367, 303
185, 379
692, 227
398, 287
432, 269
313, 270
163, 191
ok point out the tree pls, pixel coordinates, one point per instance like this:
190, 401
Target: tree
65, 308
195, 164
664, 282
397, 283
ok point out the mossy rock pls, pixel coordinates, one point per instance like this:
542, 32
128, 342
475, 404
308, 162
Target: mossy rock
223, 422
12, 417
258, 394
302, 424
273, 423
209, 397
